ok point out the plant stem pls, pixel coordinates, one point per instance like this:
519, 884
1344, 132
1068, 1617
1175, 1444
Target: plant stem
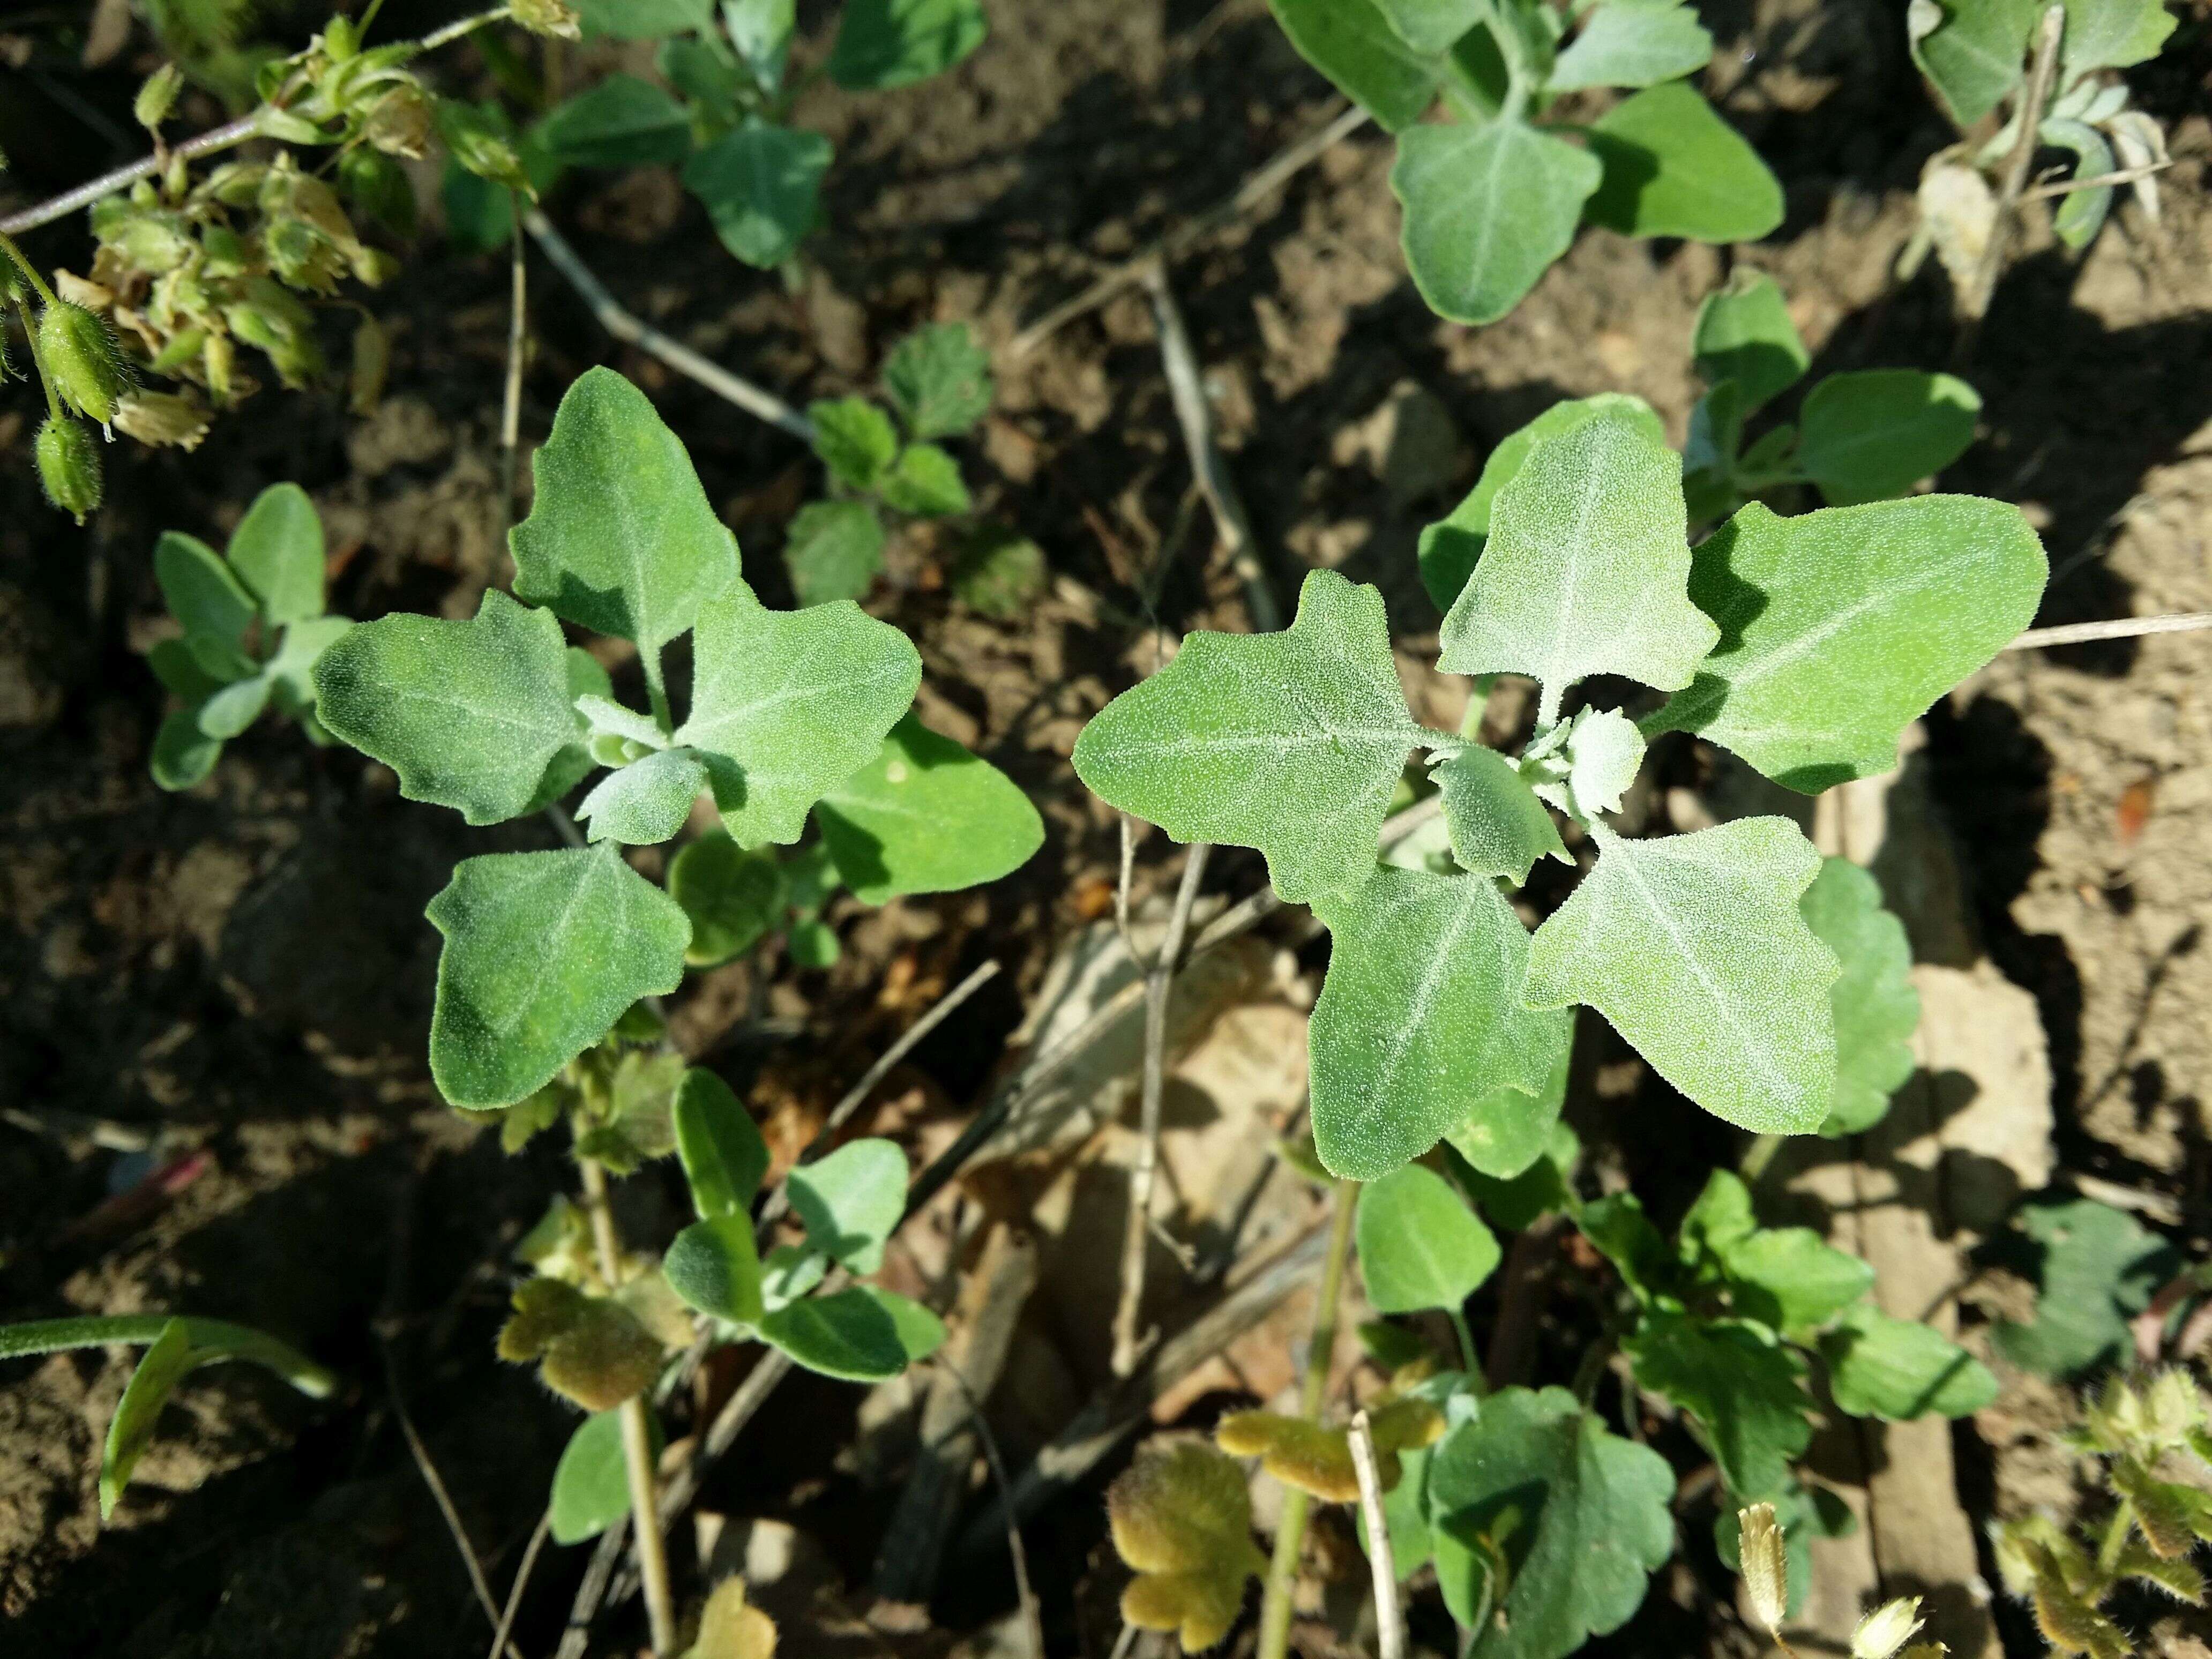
636, 1433
1757, 1157
1469, 1357
1974, 303
656, 688
1276, 1601
1390, 1628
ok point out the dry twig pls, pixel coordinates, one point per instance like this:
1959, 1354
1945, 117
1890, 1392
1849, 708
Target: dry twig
2124, 628
1390, 1628
1974, 303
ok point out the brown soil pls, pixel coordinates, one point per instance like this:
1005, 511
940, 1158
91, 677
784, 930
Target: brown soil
244, 969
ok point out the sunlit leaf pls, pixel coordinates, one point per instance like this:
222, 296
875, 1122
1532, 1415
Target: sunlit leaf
926, 816
762, 186
850, 1201
1875, 433
1745, 335
1182, 1520
1972, 52
131, 1431
1897, 1369
1876, 1009
591, 1482
1487, 210
1629, 44
1743, 1387
882, 44
835, 551
847, 1335
277, 552
1353, 44
1420, 1246
1672, 167
723, 1156
1497, 826
939, 381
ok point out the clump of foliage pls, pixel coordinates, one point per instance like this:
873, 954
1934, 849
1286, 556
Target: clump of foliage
2132, 1429
721, 109
252, 630
1494, 195
1862, 435
938, 381
175, 1346
1977, 56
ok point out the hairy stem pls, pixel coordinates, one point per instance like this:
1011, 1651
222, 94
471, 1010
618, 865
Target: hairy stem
636, 1434
1275, 1604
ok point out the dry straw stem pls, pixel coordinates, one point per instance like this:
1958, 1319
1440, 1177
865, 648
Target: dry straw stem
1390, 1628
1184, 237
2124, 628
1974, 303
2102, 181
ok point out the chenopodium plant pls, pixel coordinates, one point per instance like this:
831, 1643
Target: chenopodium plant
175, 1346
939, 381
252, 629
547, 954
1976, 54
1804, 645
723, 116
2137, 1429
1494, 195
1862, 435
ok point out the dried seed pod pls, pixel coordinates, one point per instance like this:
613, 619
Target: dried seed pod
1887, 1629
68, 465
1765, 1564
162, 419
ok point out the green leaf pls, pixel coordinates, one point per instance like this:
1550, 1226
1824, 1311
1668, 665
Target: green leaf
1744, 334
1620, 1230
1418, 1018
1628, 44
1497, 826
1972, 52
1875, 433
1791, 1281
291, 672
544, 952
1508, 1133
926, 816
183, 754
2113, 33
1585, 569
179, 672
1672, 167
710, 80
1722, 1216
1896, 1370
1841, 626
1741, 1385
468, 714
1449, 548
2079, 214
925, 481
1352, 43
212, 1339
788, 704
732, 896
760, 30
132, 1429
761, 185
2099, 1267
999, 572
813, 944
1420, 1245
277, 552
1430, 26
1579, 1516
835, 551
1693, 948
479, 215
939, 381
203, 595
622, 122
882, 44
1291, 743
849, 1335
921, 1333
1875, 1006
591, 1482
854, 439
234, 708
715, 1268
725, 1159
1487, 210
620, 539
850, 1201
643, 19
644, 804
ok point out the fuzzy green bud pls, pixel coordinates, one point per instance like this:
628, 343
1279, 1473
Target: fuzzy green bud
158, 96
81, 360
553, 18
68, 465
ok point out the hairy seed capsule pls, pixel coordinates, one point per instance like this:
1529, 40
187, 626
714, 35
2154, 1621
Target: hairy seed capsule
82, 361
68, 465
158, 96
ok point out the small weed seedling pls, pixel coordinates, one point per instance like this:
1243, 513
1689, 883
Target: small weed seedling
549, 959
1980, 56
174, 1346
252, 628
1494, 195
723, 114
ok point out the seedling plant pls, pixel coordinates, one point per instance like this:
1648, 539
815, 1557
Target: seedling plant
1763, 983
1493, 195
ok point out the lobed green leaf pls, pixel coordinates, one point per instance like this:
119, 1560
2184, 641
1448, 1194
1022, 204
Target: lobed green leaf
1631, 43
1497, 826
939, 381
1672, 167
762, 186
732, 896
835, 551
1875, 433
1508, 1133
1896, 1370
1354, 44
926, 816
882, 44
1742, 1386
646, 803
1876, 1009
1487, 210
1744, 335
855, 439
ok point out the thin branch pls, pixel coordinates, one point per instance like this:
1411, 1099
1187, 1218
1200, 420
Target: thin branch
1032, 1615
518, 346
207, 143
2102, 181
1159, 980
498, 1640
1975, 301
1194, 414
2124, 627
626, 326
1187, 236
445, 1498
1390, 1627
